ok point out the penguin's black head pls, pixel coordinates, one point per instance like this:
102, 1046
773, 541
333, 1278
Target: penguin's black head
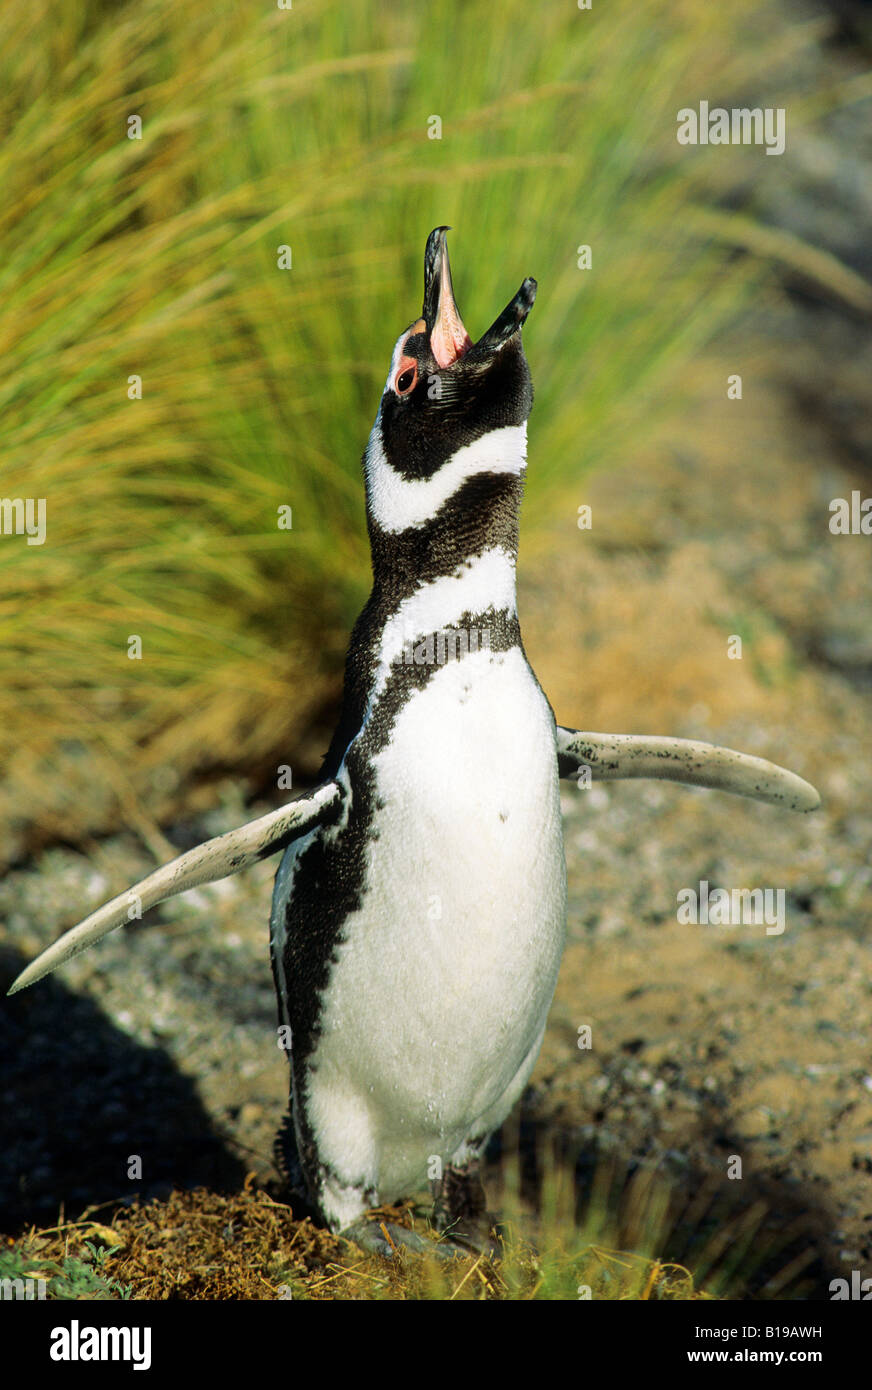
448, 403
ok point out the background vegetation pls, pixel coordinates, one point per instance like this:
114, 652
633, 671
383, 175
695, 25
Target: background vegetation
158, 257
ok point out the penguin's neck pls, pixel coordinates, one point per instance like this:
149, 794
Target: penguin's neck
447, 574
481, 518
423, 526
427, 606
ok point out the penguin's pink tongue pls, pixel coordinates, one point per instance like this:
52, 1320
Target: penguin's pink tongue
449, 339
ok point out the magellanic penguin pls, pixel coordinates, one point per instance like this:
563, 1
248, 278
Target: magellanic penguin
419, 910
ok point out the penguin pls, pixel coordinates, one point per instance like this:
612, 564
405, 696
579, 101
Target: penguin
419, 910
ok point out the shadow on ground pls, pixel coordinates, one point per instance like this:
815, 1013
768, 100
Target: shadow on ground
80, 1098
761, 1237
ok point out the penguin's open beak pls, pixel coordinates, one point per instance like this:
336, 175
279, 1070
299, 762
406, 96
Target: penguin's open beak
449, 340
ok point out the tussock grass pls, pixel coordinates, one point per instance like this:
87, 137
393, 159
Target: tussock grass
203, 1245
617, 1247
157, 258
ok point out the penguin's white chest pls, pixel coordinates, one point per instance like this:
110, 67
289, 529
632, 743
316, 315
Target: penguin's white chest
443, 980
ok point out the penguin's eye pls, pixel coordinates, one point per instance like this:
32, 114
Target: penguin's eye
406, 380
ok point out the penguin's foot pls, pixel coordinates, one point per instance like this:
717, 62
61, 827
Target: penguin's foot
474, 1237
461, 1200
460, 1212
386, 1238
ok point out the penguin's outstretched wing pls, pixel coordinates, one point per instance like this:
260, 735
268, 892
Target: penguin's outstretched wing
219, 858
613, 756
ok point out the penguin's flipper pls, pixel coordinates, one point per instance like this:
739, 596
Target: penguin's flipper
613, 756
219, 858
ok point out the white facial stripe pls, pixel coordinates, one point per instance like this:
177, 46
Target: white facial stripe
398, 352
397, 503
395, 361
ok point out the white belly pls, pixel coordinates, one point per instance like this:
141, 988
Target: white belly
439, 996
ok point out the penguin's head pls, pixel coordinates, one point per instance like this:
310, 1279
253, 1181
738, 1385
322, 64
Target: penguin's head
451, 409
